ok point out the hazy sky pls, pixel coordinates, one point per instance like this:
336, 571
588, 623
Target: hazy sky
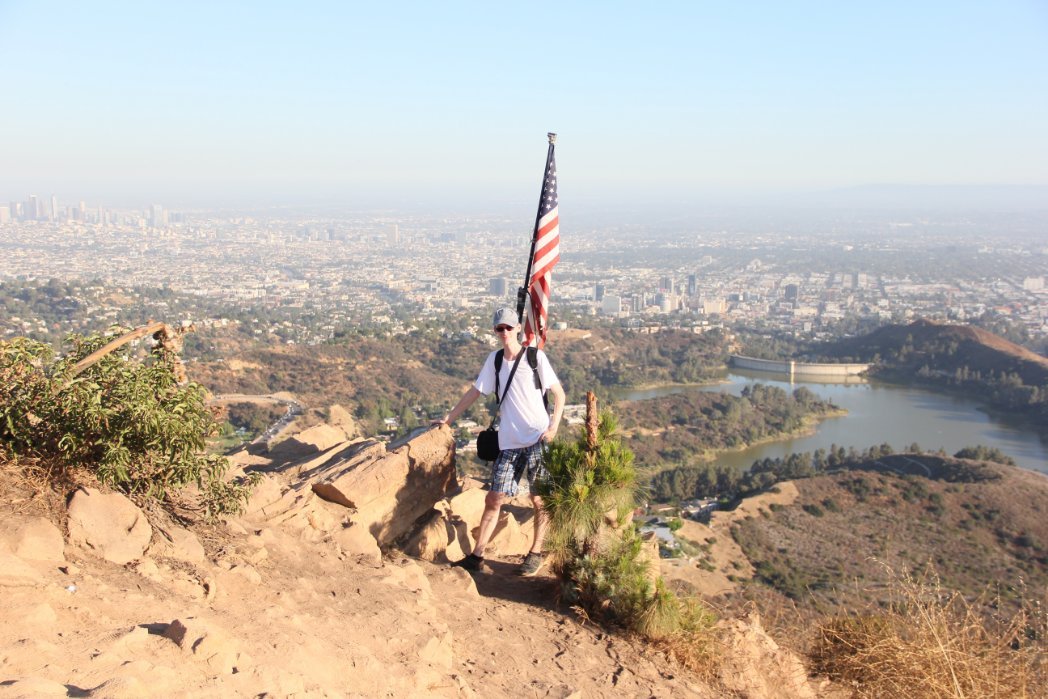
188, 102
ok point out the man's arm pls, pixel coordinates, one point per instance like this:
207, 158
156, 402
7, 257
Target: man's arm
464, 402
558, 410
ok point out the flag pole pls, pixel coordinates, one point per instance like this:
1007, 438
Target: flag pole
522, 292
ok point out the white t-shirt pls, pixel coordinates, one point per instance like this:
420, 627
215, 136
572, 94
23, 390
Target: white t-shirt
523, 418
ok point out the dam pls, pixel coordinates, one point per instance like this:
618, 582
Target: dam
790, 367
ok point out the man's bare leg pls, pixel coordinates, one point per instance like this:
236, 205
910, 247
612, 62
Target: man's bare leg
541, 521
492, 506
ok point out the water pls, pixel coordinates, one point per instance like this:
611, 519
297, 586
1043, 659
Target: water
878, 413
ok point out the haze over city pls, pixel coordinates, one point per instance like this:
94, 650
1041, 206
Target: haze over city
445, 107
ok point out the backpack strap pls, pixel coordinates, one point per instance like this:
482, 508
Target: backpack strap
498, 367
533, 362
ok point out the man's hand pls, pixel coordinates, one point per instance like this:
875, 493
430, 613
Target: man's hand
441, 421
550, 434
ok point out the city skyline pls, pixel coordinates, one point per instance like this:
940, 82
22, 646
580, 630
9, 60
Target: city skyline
417, 106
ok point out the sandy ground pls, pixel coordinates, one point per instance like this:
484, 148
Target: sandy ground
278, 609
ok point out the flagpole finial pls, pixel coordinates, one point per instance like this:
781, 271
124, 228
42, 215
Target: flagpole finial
552, 137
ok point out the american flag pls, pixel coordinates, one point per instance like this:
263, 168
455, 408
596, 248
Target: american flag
547, 254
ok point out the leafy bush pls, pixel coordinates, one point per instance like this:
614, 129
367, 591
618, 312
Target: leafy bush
126, 421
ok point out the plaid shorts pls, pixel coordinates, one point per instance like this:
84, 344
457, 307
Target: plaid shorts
511, 465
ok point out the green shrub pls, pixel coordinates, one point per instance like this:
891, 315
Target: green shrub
126, 421
612, 584
583, 486
830, 505
603, 568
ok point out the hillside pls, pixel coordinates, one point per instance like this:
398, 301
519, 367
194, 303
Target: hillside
332, 579
944, 348
688, 427
296, 598
980, 527
383, 377
955, 357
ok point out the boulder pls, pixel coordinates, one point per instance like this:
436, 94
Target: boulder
109, 525
389, 493
508, 539
211, 647
469, 503
460, 543
32, 688
14, 572
311, 440
355, 540
36, 539
430, 540
298, 509
332, 459
440, 537
179, 544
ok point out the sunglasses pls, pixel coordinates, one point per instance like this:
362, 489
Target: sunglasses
503, 328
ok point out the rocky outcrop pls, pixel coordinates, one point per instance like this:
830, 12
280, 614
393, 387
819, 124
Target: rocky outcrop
387, 493
296, 599
309, 441
449, 531
753, 665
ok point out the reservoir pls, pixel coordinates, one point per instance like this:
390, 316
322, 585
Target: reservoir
877, 413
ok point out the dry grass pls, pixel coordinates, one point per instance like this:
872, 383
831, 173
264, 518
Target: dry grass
681, 627
929, 642
694, 644
36, 487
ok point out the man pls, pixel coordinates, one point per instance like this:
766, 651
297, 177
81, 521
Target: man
524, 425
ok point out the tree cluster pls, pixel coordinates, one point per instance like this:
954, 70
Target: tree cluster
730, 484
697, 422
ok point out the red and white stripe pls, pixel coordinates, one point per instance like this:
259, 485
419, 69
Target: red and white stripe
547, 254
